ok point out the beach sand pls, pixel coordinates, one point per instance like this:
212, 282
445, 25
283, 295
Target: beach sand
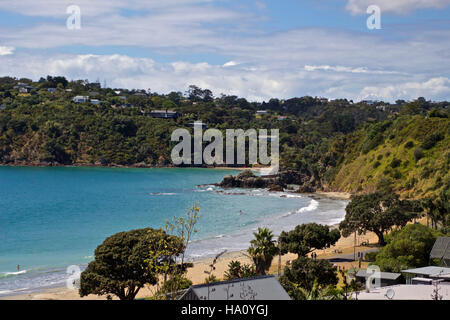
197, 273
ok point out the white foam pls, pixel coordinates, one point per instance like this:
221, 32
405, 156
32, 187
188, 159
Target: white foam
7, 274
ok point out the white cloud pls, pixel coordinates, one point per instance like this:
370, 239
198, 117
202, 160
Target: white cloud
394, 6
433, 88
347, 69
4, 51
261, 83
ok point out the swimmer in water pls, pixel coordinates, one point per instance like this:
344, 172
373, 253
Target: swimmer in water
18, 267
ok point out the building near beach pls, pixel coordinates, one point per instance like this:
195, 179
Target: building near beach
406, 292
441, 251
255, 288
431, 272
386, 278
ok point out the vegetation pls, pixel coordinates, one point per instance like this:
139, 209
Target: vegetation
377, 212
262, 250
305, 272
120, 266
337, 144
236, 270
407, 248
306, 238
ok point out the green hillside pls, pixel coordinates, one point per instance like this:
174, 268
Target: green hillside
413, 152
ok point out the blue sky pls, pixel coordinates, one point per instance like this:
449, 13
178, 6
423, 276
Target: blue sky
253, 48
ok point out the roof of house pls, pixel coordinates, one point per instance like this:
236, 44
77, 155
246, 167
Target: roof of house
256, 288
406, 292
441, 248
162, 111
430, 271
383, 275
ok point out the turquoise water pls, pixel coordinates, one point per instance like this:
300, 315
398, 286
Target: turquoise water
51, 218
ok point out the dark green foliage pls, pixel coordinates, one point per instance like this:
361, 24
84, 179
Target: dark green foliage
418, 154
377, 212
121, 264
305, 271
409, 145
407, 248
306, 238
236, 270
431, 140
395, 163
262, 250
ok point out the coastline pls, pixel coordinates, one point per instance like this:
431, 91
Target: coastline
197, 275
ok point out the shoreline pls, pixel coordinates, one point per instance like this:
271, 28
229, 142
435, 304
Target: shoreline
197, 275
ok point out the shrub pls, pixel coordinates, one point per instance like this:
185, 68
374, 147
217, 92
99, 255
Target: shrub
395, 163
418, 154
409, 145
431, 140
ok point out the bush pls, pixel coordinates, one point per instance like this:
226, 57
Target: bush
431, 140
418, 154
409, 247
409, 145
395, 163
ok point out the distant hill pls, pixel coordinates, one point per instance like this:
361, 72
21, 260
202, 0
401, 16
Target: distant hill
337, 145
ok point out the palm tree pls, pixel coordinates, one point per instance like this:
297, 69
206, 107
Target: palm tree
262, 250
317, 293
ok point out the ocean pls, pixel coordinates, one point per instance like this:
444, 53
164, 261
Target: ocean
55, 217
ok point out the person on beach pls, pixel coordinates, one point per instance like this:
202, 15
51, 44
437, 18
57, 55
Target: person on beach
18, 267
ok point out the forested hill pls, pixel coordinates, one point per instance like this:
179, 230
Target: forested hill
338, 145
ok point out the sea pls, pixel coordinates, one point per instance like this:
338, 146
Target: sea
54, 217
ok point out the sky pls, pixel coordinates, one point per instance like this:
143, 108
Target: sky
257, 49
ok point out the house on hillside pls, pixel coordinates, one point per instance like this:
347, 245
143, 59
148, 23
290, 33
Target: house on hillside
80, 99
95, 101
163, 114
51, 90
198, 124
256, 288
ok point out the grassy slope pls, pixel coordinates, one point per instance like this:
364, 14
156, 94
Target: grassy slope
359, 170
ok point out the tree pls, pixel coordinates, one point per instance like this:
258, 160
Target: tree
306, 238
377, 212
120, 266
236, 270
262, 250
407, 248
304, 272
315, 293
172, 264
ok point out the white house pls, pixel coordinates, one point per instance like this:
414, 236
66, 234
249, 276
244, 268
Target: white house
80, 99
